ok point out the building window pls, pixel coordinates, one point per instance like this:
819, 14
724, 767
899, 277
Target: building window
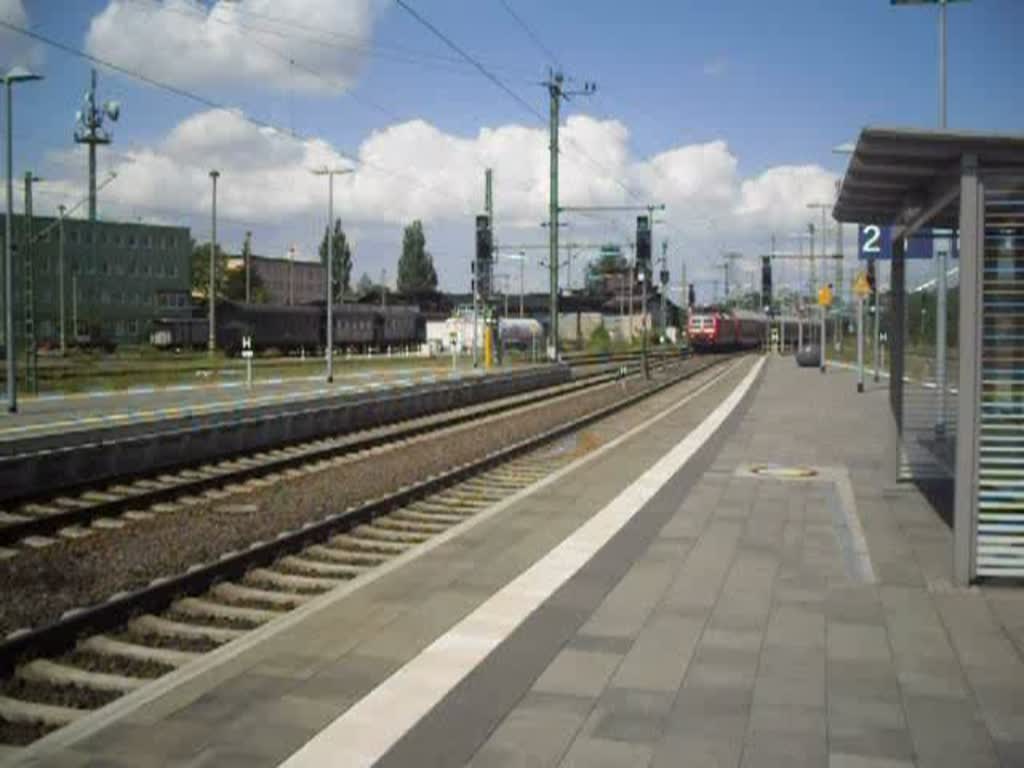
172, 270
87, 237
145, 269
147, 242
104, 267
131, 241
132, 325
159, 269
101, 238
131, 267
104, 297
117, 239
74, 235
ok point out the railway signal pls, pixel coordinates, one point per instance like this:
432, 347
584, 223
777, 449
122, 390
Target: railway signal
643, 244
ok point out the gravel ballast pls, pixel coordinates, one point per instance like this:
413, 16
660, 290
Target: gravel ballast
38, 586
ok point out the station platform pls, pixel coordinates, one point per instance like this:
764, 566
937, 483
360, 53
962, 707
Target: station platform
57, 414
737, 581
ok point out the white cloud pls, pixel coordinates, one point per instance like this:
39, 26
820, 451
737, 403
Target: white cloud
15, 48
237, 42
415, 170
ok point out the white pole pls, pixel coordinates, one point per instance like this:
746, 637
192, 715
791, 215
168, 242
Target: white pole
940, 337
330, 276
60, 283
860, 344
876, 342
822, 344
12, 391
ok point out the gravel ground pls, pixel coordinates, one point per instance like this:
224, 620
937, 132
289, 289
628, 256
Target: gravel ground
39, 586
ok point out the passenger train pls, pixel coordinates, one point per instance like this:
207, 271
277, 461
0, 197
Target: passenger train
291, 328
722, 329
712, 329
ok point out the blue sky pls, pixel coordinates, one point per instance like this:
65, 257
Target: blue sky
779, 83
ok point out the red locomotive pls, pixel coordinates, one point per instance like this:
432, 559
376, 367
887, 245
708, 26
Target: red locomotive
721, 329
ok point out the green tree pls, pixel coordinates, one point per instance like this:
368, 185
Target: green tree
416, 266
201, 269
234, 285
342, 267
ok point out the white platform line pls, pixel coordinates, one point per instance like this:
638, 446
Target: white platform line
371, 727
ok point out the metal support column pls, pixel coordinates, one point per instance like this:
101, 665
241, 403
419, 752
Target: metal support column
897, 330
965, 509
940, 336
555, 92
860, 344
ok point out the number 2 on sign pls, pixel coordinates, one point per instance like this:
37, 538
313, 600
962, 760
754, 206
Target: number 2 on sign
872, 234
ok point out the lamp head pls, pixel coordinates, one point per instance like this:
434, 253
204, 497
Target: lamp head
19, 74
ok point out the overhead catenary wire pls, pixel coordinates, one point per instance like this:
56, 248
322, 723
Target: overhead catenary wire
552, 58
469, 58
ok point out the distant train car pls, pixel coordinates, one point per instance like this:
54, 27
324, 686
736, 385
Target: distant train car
286, 328
716, 329
355, 325
519, 333
180, 333
290, 328
400, 325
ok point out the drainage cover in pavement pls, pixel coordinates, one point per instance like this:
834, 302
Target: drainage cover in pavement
784, 473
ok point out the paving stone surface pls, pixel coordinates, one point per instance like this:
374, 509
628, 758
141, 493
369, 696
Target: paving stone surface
745, 641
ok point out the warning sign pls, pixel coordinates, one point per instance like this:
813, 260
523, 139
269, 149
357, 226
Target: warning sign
861, 286
825, 296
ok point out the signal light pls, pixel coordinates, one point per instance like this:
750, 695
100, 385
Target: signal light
643, 243
766, 281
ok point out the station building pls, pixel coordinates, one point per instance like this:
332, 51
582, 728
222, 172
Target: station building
118, 277
287, 281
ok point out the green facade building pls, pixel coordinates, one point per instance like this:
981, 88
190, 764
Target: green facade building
118, 277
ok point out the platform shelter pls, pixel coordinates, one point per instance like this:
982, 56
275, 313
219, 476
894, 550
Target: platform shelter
965, 420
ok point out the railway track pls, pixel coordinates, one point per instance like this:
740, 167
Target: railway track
60, 672
36, 522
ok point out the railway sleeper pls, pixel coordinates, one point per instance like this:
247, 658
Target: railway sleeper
391, 523
179, 630
240, 593
55, 673
209, 609
291, 581
31, 712
348, 543
376, 533
104, 645
433, 508
364, 557
428, 517
304, 565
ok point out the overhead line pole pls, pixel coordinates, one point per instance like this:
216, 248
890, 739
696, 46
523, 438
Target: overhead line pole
556, 93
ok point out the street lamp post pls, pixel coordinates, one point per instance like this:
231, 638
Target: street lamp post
211, 297
60, 281
15, 75
330, 173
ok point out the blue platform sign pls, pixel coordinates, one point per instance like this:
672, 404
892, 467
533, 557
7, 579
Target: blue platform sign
875, 242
